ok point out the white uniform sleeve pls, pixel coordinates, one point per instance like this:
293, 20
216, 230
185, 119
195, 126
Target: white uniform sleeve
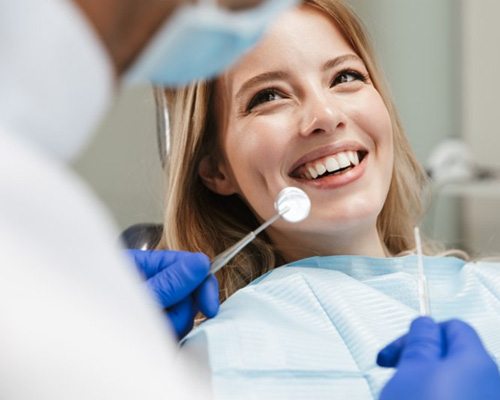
76, 321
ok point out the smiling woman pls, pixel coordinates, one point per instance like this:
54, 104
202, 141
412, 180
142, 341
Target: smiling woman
310, 102
308, 108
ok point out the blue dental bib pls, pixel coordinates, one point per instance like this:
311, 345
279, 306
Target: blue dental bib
312, 329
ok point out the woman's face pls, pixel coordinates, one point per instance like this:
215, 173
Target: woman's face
300, 110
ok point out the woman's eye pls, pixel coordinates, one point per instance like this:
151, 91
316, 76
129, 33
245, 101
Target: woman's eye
348, 76
264, 96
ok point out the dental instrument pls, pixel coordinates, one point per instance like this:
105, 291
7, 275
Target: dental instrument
423, 290
292, 204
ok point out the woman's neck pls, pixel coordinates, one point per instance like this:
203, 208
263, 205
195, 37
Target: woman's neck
298, 245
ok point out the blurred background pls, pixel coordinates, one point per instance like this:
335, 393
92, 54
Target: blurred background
441, 61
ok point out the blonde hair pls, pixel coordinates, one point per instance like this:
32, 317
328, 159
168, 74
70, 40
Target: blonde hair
197, 219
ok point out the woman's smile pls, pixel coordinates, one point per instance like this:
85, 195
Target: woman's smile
331, 166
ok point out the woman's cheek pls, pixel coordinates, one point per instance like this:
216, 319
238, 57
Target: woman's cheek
265, 134
380, 120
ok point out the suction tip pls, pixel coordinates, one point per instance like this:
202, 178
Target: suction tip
293, 204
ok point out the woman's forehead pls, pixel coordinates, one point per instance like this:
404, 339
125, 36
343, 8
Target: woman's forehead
302, 37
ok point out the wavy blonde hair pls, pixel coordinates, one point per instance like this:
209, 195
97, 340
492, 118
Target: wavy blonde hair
197, 219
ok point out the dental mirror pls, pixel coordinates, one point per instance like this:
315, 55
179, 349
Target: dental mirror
292, 204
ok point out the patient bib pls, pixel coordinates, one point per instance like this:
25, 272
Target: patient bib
312, 329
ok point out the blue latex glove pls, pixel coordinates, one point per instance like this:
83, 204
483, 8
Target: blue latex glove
179, 281
444, 361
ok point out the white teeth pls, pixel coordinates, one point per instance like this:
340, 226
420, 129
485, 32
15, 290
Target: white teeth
332, 164
343, 160
320, 168
312, 172
353, 157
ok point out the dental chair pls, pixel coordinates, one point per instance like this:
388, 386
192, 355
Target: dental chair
141, 236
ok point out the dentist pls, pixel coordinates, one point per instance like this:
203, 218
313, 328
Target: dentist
77, 322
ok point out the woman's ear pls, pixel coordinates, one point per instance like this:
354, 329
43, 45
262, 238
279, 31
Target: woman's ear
216, 177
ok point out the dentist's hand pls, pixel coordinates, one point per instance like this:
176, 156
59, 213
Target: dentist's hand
179, 281
444, 361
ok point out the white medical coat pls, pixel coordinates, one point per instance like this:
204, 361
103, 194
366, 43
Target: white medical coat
75, 320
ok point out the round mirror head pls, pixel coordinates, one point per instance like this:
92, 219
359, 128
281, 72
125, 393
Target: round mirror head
293, 204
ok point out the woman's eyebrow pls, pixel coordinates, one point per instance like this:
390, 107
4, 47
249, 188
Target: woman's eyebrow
331, 64
258, 79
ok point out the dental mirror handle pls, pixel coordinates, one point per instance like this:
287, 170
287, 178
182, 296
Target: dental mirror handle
223, 258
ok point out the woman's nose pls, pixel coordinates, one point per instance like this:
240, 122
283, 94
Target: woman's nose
321, 114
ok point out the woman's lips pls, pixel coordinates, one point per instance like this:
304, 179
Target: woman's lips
331, 150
